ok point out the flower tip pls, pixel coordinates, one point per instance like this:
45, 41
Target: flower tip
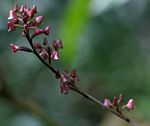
54, 55
64, 88
47, 30
107, 103
34, 9
14, 48
38, 20
130, 104
11, 26
39, 31
12, 15
57, 44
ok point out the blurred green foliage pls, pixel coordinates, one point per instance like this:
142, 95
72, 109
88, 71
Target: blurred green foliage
108, 42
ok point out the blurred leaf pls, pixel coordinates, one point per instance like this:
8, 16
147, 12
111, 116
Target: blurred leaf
75, 18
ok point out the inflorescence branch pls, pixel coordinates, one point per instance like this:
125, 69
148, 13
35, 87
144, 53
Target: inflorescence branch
26, 19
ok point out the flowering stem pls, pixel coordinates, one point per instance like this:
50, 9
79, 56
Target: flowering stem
77, 90
24, 18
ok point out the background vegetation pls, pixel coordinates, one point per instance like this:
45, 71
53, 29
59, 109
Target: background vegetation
107, 41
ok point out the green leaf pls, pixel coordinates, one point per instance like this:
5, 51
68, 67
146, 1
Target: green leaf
75, 18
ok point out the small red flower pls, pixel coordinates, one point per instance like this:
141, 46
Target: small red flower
64, 88
47, 30
44, 54
130, 104
64, 83
14, 48
37, 45
115, 101
22, 8
38, 20
57, 44
39, 31
11, 26
107, 103
54, 55
13, 16
32, 11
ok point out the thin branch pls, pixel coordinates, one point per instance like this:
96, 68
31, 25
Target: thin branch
74, 88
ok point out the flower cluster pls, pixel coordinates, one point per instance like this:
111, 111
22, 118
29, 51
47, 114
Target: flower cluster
26, 19
116, 103
66, 80
47, 51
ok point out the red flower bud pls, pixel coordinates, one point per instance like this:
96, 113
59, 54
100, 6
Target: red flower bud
37, 45
11, 26
39, 31
34, 9
54, 55
107, 103
22, 8
47, 30
64, 83
13, 15
14, 48
38, 20
57, 44
115, 102
130, 104
44, 54
64, 77
64, 88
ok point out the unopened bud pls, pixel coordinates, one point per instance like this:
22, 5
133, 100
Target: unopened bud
57, 44
47, 30
130, 104
14, 48
38, 20
22, 8
12, 16
107, 103
114, 102
11, 26
39, 31
54, 55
